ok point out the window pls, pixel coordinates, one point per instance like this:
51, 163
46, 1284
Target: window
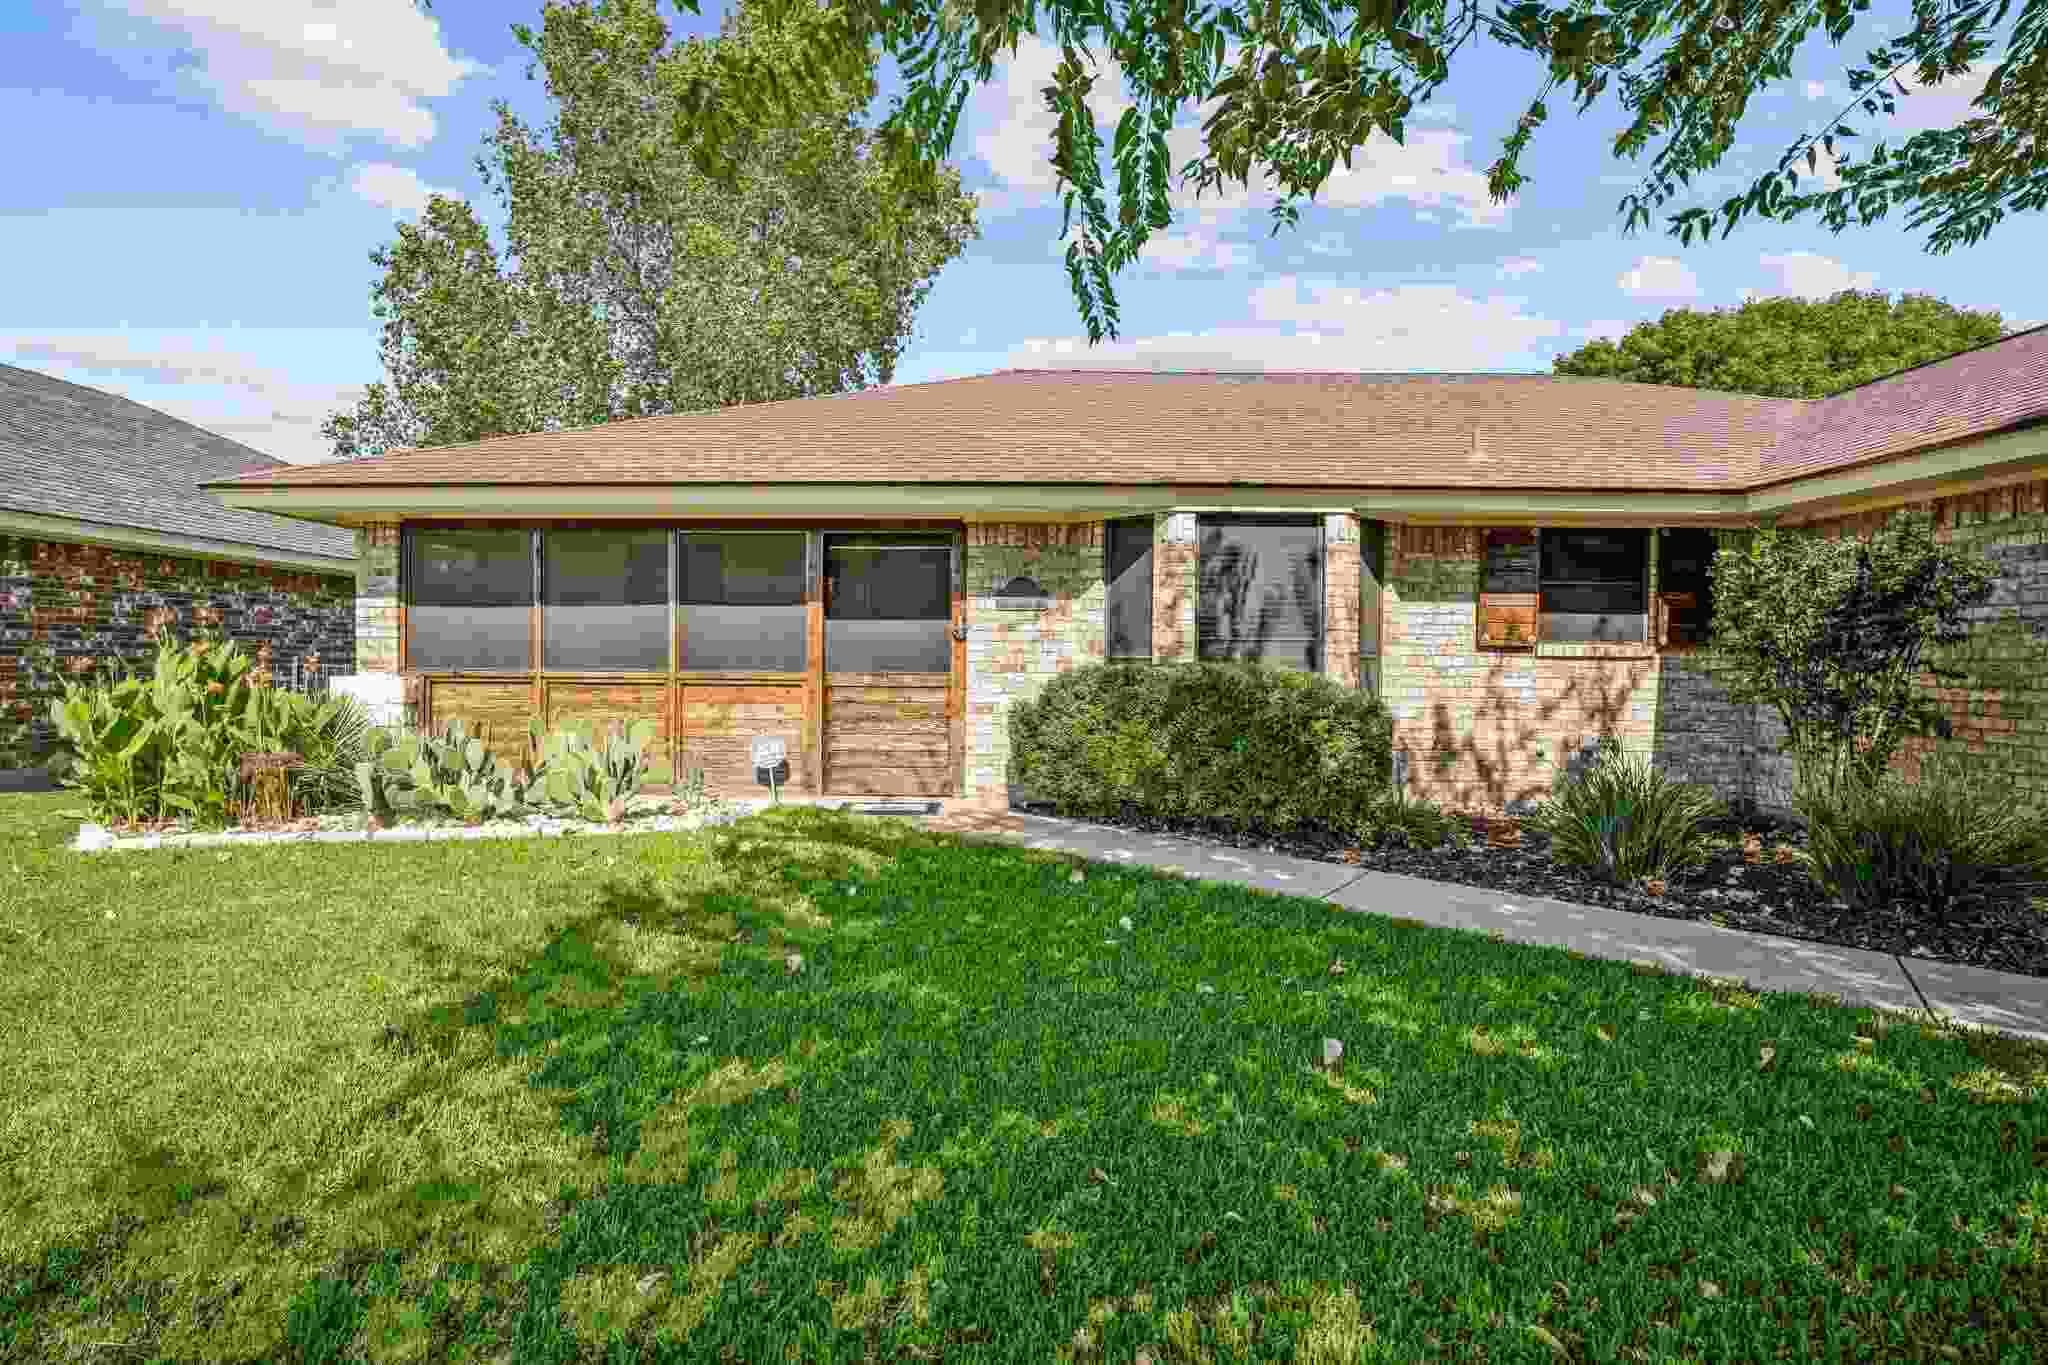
1593, 585
889, 604
1127, 583
605, 594
471, 607
742, 601
1684, 557
1260, 594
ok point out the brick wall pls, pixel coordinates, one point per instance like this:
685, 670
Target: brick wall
67, 610
1488, 730
1485, 729
1012, 652
1176, 578
376, 613
1341, 597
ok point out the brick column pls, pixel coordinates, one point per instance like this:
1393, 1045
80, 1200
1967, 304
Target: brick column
377, 598
1015, 648
1176, 575
1340, 597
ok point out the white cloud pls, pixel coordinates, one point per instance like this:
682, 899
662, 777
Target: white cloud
1936, 106
223, 390
1428, 170
1816, 90
1662, 277
1193, 249
1808, 275
1612, 329
308, 69
397, 188
1321, 324
1514, 267
1013, 136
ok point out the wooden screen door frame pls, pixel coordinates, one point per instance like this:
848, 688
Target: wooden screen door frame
919, 538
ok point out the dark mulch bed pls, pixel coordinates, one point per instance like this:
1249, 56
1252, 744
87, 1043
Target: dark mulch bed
1999, 928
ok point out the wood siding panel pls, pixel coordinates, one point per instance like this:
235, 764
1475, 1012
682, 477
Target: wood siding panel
502, 709
890, 735
603, 704
720, 723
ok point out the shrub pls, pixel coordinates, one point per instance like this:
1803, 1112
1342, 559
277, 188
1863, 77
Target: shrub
1625, 818
1875, 840
1245, 744
409, 773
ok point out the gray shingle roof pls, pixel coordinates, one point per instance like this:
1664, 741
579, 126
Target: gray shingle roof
87, 455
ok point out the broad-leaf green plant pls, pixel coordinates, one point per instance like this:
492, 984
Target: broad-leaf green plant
1626, 819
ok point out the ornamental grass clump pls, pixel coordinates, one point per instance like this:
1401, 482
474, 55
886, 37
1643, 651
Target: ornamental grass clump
1627, 819
1874, 841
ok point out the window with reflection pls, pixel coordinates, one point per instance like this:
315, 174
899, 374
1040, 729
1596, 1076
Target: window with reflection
606, 597
470, 601
1594, 585
741, 600
888, 606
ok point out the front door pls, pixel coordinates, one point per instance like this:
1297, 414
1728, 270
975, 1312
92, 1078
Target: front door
889, 673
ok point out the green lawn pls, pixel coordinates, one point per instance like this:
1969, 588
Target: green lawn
566, 1100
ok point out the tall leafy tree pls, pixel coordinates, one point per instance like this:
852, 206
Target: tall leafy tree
1293, 86
1788, 347
633, 283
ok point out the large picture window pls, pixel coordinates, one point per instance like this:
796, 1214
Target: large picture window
606, 599
1260, 594
471, 601
1593, 585
742, 601
1127, 579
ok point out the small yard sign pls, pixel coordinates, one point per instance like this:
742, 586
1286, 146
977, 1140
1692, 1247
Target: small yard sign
770, 752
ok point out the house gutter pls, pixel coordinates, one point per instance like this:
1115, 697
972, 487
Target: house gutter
30, 524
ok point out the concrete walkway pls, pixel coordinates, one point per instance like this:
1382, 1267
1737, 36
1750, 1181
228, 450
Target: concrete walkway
2004, 1001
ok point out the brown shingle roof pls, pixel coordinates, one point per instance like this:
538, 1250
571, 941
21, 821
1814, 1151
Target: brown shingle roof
1985, 389
1280, 429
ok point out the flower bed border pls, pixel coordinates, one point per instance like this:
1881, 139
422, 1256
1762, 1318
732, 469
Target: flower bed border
95, 838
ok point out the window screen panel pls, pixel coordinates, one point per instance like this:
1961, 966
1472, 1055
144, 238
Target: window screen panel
742, 602
889, 608
1127, 577
1260, 592
605, 594
1594, 585
470, 603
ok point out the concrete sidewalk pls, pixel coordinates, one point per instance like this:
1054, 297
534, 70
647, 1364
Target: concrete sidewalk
2004, 1001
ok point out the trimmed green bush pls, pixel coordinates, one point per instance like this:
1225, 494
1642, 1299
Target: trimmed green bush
1873, 841
1251, 746
1625, 818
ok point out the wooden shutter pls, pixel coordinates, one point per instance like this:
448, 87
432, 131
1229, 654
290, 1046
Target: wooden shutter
1261, 591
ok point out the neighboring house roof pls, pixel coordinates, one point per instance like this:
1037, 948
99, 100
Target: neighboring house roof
76, 454
1272, 429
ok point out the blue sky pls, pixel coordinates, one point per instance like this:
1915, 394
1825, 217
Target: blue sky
194, 188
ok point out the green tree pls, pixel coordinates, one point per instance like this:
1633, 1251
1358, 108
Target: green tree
1830, 632
632, 283
1787, 347
1293, 86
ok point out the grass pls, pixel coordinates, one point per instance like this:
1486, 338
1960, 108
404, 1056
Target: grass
568, 1100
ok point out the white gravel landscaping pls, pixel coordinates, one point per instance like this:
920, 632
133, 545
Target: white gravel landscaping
645, 817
